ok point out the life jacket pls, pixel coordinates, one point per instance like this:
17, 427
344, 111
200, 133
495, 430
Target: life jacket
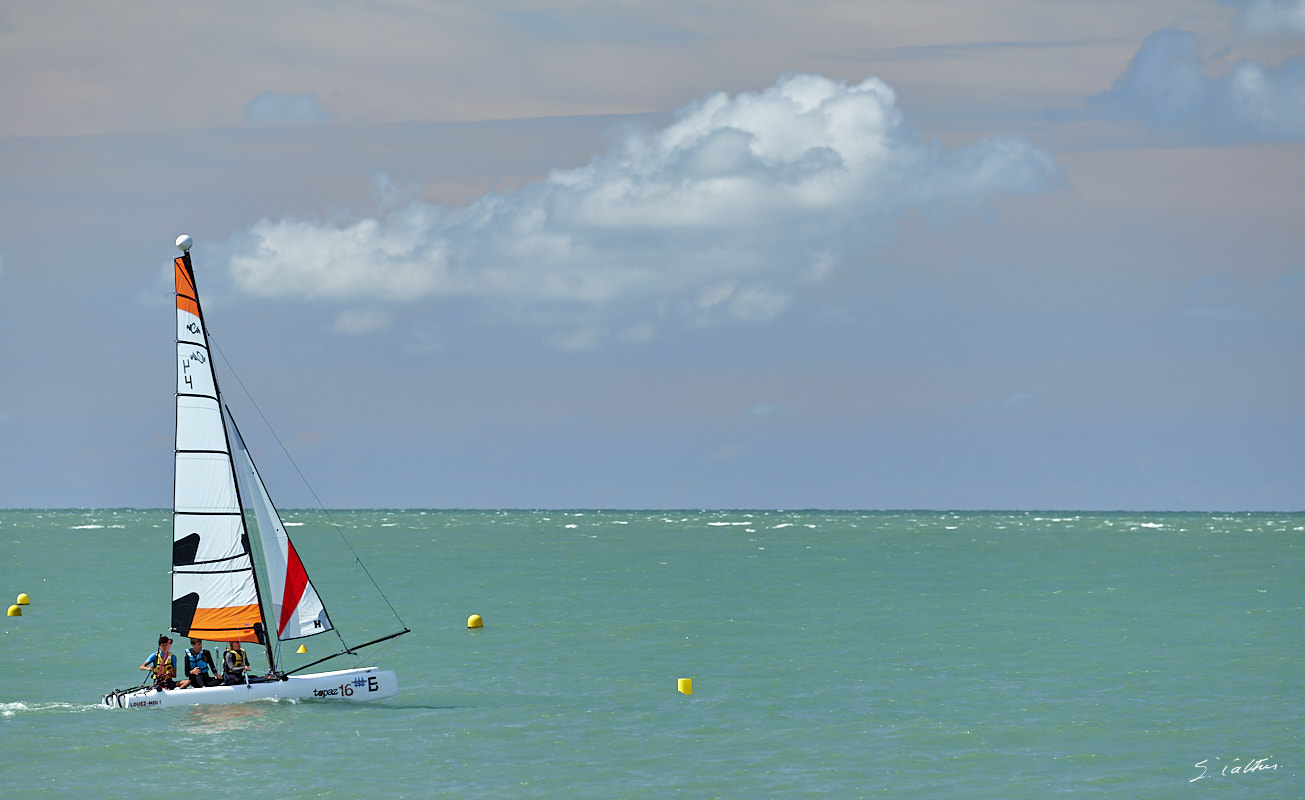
239, 658
200, 659
165, 670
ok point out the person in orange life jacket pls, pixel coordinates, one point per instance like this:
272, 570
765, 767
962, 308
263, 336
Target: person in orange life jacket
236, 664
163, 665
200, 670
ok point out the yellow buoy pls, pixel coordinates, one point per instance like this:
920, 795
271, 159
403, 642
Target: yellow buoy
686, 686
303, 648
474, 621
15, 611
23, 599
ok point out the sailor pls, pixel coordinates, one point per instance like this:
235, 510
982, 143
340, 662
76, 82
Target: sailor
236, 663
163, 664
200, 669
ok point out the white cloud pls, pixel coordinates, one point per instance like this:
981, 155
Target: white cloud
280, 108
1167, 87
1271, 16
757, 304
638, 333
577, 341
361, 321
721, 216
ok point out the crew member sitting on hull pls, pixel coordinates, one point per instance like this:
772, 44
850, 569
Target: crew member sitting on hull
236, 664
200, 669
163, 664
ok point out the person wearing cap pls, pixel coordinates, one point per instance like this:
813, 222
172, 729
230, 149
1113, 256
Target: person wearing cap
200, 669
163, 664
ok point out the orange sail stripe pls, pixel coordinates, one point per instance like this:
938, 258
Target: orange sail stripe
225, 624
185, 288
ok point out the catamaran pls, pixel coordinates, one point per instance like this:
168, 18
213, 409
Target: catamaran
216, 593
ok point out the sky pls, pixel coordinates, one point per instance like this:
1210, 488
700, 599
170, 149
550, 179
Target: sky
1003, 254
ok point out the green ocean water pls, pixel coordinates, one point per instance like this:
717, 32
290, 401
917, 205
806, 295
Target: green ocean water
833, 654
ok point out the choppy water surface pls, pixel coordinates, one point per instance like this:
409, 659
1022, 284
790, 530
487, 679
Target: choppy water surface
833, 654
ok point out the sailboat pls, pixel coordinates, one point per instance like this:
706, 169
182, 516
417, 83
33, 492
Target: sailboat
216, 593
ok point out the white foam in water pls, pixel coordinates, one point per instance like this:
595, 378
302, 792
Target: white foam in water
11, 709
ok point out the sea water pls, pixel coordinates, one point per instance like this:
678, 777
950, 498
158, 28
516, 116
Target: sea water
832, 654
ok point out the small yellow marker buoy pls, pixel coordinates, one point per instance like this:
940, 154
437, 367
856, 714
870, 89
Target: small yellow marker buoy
15, 611
474, 621
303, 648
686, 686
23, 599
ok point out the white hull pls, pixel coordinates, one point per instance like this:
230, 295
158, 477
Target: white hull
346, 685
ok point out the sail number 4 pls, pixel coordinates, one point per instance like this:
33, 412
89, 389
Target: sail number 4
347, 689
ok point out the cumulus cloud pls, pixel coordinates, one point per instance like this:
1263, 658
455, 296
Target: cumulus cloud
721, 216
1167, 87
279, 108
1270, 17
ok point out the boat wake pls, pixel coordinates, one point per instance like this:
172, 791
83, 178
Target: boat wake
14, 709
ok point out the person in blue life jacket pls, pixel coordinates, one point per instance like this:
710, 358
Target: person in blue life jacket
235, 662
200, 669
163, 664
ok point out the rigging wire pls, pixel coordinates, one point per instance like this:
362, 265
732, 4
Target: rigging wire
321, 506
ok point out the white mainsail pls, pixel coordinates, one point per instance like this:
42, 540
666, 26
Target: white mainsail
214, 591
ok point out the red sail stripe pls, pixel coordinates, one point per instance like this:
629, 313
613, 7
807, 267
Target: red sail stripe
296, 580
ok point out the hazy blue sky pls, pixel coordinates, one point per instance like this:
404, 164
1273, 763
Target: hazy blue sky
1008, 254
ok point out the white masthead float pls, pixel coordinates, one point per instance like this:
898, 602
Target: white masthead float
216, 592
